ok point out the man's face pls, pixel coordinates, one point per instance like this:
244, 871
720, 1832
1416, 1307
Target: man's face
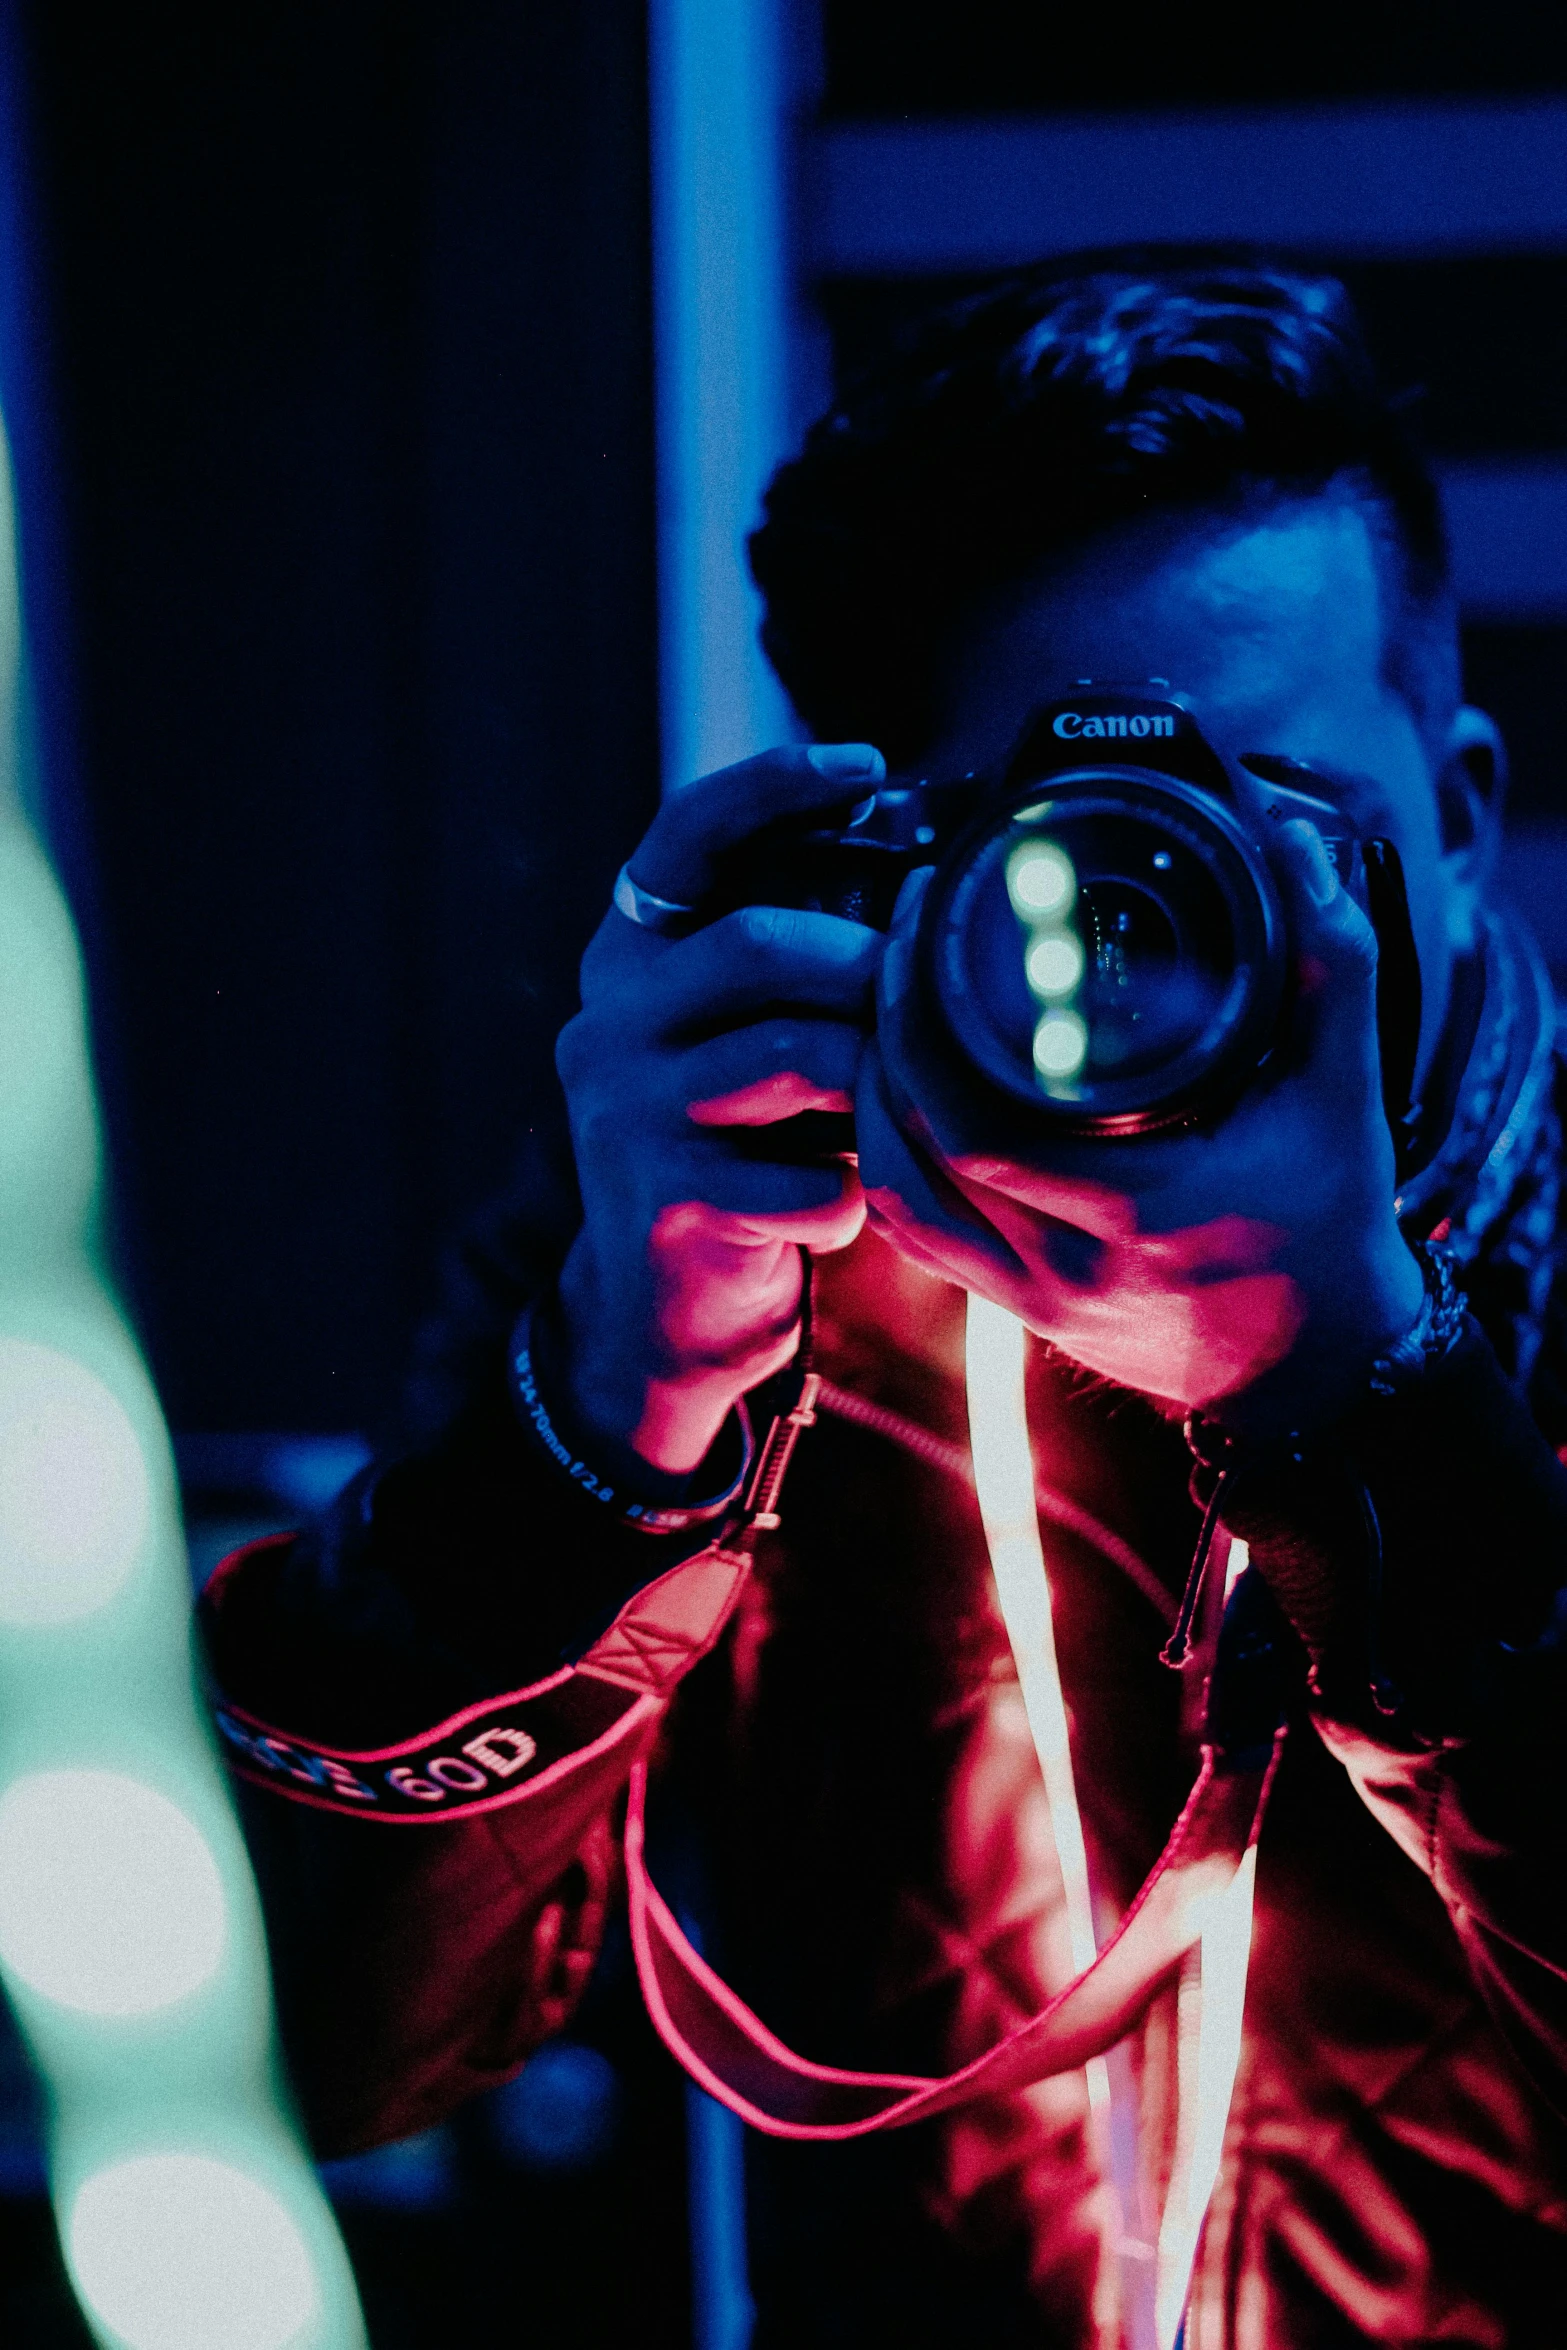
1195, 1265
1273, 626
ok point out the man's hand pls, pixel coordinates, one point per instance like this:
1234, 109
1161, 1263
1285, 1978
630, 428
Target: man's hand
1257, 1269
683, 1288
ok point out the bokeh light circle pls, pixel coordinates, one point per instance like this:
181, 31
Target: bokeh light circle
181, 2252
74, 1498
110, 1899
1060, 1044
561, 2113
1055, 963
1040, 880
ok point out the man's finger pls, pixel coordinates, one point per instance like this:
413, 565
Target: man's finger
762, 958
1335, 947
678, 856
771, 1070
814, 1206
1324, 918
909, 1188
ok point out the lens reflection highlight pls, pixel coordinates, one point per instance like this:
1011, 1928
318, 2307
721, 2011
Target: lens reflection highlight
1042, 887
1055, 964
1040, 881
1060, 1044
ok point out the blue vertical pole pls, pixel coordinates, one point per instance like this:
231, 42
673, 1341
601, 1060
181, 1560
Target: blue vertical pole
720, 94
722, 295
722, 2312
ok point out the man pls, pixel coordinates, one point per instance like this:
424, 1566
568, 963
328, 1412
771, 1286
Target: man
1114, 471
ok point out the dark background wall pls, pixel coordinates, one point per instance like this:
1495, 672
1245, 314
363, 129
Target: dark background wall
338, 530
351, 324
947, 57
1479, 337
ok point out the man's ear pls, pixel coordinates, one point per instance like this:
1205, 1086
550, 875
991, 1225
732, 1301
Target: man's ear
1472, 786
1471, 791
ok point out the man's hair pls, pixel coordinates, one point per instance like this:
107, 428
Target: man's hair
1076, 395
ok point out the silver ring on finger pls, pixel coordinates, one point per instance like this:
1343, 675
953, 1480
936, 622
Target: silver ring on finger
648, 912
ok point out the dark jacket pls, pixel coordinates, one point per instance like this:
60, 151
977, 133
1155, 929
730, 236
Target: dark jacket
858, 1768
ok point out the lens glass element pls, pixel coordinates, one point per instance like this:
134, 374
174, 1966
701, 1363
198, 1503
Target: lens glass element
1098, 948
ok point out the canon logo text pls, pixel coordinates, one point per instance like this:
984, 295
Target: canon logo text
1070, 724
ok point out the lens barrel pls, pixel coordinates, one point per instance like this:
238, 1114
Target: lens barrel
1102, 942
1106, 947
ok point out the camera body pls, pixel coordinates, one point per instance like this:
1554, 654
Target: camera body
1103, 943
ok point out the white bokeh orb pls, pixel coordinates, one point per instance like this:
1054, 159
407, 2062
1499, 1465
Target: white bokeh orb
110, 1899
74, 1497
182, 2252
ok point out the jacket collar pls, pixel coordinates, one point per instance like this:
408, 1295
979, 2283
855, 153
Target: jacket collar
1490, 1187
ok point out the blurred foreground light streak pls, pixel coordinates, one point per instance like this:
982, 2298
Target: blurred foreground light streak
131, 1944
74, 1499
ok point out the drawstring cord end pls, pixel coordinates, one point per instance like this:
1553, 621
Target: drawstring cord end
1178, 1650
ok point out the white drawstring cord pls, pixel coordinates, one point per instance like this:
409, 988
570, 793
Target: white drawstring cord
1206, 2074
1004, 1481
995, 1352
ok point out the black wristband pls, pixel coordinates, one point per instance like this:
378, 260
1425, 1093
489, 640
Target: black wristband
1437, 1327
724, 1471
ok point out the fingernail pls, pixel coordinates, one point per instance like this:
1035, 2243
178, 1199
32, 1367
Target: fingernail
847, 762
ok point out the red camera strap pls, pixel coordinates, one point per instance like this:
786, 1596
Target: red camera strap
568, 1738
731, 2053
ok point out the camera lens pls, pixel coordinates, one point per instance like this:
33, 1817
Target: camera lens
1107, 949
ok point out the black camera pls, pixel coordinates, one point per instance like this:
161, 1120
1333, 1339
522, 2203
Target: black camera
1103, 941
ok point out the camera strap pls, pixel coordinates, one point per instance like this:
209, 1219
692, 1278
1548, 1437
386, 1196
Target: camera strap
564, 1744
1192, 1917
1185, 1905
